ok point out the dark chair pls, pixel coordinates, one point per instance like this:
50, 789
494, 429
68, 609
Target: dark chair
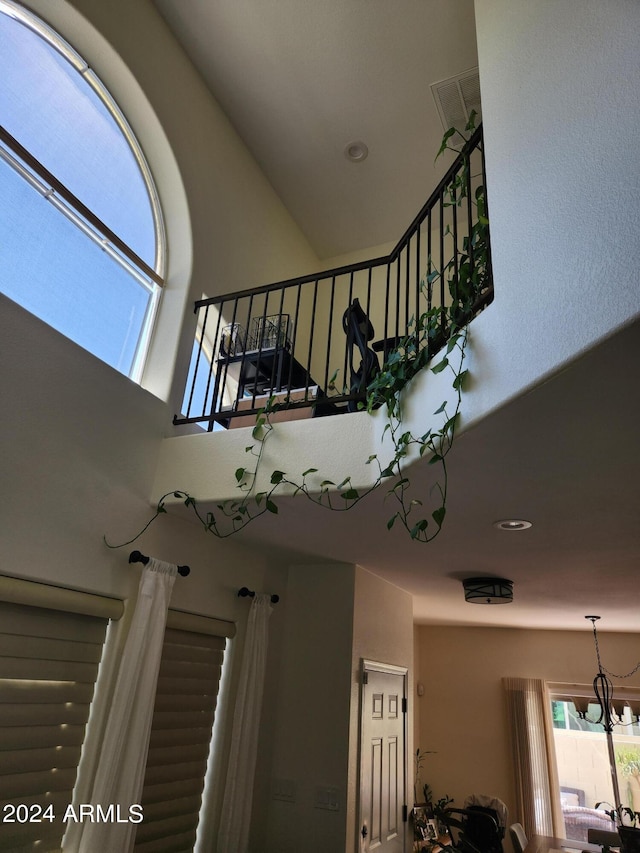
490, 840
519, 838
472, 830
484, 829
359, 331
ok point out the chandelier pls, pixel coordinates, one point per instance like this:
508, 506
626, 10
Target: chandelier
611, 709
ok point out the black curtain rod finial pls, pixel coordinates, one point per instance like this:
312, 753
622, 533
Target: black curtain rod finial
244, 591
137, 557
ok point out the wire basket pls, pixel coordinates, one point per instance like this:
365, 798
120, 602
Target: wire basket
270, 332
233, 340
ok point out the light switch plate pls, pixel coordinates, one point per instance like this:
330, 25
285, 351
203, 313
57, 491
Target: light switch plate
284, 790
326, 798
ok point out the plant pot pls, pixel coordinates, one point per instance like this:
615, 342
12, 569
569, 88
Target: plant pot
629, 839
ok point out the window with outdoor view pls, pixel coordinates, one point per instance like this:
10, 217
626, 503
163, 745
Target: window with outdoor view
81, 233
585, 766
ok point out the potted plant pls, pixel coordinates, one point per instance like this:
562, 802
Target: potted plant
627, 821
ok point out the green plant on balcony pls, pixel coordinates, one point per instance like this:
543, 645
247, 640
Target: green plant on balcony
436, 340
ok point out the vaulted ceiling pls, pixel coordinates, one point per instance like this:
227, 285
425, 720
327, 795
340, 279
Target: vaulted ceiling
300, 81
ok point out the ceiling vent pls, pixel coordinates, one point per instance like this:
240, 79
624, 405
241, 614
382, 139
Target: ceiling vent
456, 98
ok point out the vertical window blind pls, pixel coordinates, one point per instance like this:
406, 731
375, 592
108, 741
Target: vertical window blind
184, 711
49, 662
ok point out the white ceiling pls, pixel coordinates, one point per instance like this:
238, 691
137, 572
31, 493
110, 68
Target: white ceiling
564, 457
301, 80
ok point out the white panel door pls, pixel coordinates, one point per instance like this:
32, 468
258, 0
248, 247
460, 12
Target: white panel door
383, 761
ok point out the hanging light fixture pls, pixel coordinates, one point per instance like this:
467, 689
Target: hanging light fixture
488, 590
611, 710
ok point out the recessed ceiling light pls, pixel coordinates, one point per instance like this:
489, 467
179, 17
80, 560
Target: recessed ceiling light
356, 151
512, 524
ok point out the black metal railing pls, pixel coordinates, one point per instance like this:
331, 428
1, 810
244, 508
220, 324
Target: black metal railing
292, 340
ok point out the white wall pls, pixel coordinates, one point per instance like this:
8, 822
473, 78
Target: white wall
336, 615
79, 445
560, 114
311, 738
382, 632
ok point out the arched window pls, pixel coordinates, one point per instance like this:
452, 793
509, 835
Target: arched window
81, 236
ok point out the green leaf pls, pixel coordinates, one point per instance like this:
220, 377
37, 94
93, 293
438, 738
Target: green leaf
459, 380
438, 515
350, 495
471, 124
392, 521
309, 471
453, 340
445, 139
160, 508
344, 482
240, 472
438, 368
272, 507
417, 529
441, 409
327, 483
277, 477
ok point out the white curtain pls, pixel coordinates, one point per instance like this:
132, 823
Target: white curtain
536, 777
233, 836
123, 758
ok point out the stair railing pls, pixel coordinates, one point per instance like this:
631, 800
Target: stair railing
288, 340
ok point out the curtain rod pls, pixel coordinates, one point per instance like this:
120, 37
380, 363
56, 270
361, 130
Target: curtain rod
244, 592
137, 557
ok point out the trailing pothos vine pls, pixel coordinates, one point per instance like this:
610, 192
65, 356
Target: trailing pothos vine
438, 330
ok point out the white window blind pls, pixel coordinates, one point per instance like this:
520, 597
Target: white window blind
183, 717
49, 662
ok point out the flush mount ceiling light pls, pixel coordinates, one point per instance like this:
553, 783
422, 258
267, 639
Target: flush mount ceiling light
512, 524
356, 151
488, 590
